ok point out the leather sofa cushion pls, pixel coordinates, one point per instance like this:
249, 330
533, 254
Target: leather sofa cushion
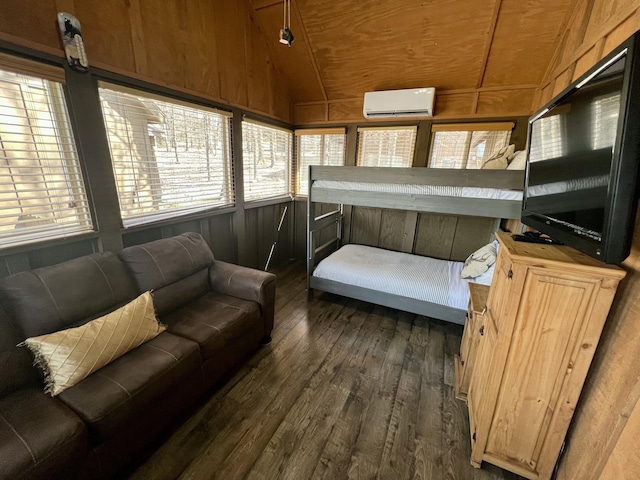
53, 298
16, 369
175, 295
163, 262
71, 355
39, 436
214, 321
127, 387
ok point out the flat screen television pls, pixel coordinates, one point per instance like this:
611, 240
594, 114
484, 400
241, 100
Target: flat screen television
582, 159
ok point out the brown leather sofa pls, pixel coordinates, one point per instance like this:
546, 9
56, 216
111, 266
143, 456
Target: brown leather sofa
216, 314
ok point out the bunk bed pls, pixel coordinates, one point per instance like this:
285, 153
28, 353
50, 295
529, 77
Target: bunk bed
397, 279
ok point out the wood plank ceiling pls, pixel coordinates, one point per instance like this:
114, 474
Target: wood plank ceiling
481, 55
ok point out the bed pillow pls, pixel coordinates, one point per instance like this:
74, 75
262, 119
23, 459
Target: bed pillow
499, 160
519, 161
69, 356
479, 261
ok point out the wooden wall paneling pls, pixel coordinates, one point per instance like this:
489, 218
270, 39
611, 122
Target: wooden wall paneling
267, 224
300, 233
397, 230
14, 263
471, 234
621, 33
65, 6
250, 240
574, 37
563, 80
136, 237
435, 233
280, 105
137, 37
202, 71
606, 16
258, 70
518, 28
43, 257
309, 113
305, 81
284, 250
505, 102
357, 39
349, 110
351, 147
106, 31
519, 135
230, 40
423, 143
166, 44
221, 237
624, 462
451, 105
612, 388
546, 94
365, 226
25, 19
328, 233
589, 59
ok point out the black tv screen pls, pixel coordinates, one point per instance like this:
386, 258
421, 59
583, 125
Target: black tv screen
582, 159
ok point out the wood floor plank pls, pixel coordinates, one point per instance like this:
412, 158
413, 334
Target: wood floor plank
368, 449
345, 390
312, 416
429, 424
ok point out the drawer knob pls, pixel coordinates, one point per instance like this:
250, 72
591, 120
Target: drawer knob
481, 330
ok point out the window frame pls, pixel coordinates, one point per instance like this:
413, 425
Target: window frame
125, 85
249, 203
60, 114
299, 133
466, 127
388, 127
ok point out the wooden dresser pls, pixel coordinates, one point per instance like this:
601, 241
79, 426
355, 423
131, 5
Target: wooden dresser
545, 312
469, 346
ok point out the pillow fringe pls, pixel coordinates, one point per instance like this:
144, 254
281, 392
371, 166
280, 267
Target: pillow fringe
39, 361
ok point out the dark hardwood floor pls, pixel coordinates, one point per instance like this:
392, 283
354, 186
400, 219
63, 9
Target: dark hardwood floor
345, 390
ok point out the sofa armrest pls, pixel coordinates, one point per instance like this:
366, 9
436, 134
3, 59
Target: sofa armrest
248, 284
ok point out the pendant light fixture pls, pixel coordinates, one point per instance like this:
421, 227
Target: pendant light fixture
286, 36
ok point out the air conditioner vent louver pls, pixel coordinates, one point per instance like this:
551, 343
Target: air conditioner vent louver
414, 102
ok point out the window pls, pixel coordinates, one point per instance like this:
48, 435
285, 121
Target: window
42, 192
549, 128
266, 161
467, 145
386, 146
169, 157
604, 125
317, 147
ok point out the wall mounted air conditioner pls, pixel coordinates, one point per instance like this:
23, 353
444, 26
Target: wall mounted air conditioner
412, 102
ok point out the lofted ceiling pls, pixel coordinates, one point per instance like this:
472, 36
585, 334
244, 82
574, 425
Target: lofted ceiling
345, 48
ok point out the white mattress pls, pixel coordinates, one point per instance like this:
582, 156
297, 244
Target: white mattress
413, 276
572, 185
411, 189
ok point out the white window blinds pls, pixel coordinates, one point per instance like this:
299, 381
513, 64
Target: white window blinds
266, 153
467, 145
169, 157
604, 125
386, 146
317, 147
42, 192
549, 128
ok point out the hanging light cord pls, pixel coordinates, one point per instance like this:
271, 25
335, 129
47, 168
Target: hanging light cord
286, 14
